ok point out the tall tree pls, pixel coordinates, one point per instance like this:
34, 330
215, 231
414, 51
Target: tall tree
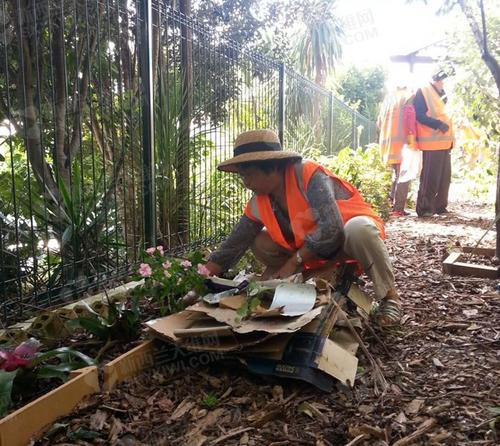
319, 44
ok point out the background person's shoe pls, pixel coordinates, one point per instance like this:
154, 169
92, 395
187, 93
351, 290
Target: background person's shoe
399, 214
426, 215
443, 211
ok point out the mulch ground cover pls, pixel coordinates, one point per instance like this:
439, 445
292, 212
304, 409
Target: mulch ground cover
442, 368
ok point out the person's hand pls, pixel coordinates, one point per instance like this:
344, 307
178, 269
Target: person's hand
288, 269
214, 269
443, 127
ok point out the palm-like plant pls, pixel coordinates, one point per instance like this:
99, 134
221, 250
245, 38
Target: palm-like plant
319, 45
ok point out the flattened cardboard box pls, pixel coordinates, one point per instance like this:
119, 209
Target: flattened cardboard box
197, 332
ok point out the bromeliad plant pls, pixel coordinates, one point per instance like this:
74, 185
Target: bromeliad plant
25, 369
166, 281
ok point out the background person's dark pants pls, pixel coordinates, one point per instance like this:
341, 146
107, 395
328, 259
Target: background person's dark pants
434, 182
399, 191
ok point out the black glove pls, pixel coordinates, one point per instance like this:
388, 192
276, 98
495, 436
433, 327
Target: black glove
444, 127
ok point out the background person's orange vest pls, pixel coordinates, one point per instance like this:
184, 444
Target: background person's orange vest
392, 136
301, 218
427, 137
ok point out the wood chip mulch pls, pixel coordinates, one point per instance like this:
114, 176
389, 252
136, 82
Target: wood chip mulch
442, 367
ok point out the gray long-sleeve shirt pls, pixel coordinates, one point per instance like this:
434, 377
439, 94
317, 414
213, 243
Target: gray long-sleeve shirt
325, 241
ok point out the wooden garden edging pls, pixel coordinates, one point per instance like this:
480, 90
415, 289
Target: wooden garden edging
30, 421
128, 365
453, 266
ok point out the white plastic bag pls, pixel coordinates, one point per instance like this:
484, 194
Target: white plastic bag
411, 164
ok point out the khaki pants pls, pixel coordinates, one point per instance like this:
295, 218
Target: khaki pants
362, 243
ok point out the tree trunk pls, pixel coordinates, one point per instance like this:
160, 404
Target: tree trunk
481, 37
25, 87
182, 164
497, 206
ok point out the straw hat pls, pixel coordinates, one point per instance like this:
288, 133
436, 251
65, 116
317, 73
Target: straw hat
256, 145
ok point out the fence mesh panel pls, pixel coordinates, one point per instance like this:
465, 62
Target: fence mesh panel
72, 214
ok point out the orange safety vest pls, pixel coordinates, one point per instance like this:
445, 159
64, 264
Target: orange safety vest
392, 136
427, 137
297, 177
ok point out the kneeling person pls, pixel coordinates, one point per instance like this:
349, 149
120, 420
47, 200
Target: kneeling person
302, 216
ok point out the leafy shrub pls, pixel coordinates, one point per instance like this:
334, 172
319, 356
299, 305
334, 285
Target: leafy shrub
364, 170
166, 281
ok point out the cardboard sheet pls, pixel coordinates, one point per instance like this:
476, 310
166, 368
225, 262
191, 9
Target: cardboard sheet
268, 325
217, 338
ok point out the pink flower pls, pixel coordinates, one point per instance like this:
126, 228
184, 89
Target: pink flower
21, 356
150, 251
186, 264
159, 248
166, 264
145, 270
167, 274
10, 362
203, 270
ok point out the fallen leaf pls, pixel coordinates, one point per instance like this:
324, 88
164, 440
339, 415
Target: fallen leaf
97, 420
184, 407
165, 404
115, 429
365, 409
414, 406
401, 418
470, 313
306, 409
437, 363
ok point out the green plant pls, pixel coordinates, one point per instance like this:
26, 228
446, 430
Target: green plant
167, 280
365, 170
210, 401
22, 369
255, 294
121, 323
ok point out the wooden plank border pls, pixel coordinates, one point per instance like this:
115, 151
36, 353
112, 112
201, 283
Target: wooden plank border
29, 422
128, 365
454, 267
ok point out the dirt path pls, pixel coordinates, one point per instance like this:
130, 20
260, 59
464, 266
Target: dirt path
443, 369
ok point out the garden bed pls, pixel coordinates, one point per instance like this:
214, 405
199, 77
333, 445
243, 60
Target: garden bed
19, 427
472, 262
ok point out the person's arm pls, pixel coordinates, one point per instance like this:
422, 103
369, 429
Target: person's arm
234, 246
409, 124
421, 112
328, 238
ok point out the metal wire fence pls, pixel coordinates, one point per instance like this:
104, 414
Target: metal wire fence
113, 117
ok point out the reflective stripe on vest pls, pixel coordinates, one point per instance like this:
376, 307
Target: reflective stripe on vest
392, 137
427, 137
301, 217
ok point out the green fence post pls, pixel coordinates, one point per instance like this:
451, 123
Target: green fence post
281, 103
146, 77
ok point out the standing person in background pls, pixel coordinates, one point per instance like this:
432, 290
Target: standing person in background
393, 124
435, 139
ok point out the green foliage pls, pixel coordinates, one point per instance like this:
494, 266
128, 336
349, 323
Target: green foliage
474, 94
167, 280
477, 177
318, 46
210, 401
364, 170
6, 384
122, 321
363, 89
